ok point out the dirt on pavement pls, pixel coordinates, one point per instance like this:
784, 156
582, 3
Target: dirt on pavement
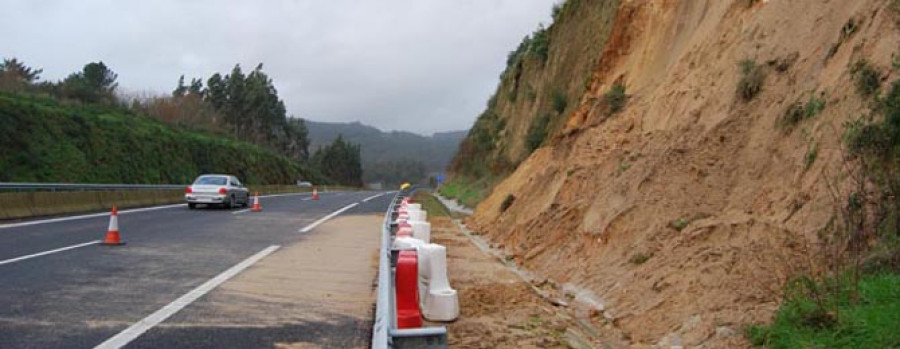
499, 309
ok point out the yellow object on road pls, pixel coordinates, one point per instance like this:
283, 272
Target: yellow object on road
404, 186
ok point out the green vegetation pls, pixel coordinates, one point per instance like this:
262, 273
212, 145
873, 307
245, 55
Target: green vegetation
70, 142
390, 157
799, 111
680, 223
811, 155
540, 44
868, 80
468, 192
560, 101
476, 156
616, 98
870, 320
854, 302
507, 202
231, 109
340, 161
430, 204
752, 78
537, 132
491, 151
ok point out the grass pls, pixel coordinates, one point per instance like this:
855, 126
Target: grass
468, 192
811, 155
430, 204
871, 322
680, 223
616, 98
752, 78
799, 112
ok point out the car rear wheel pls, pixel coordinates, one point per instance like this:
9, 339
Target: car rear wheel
192, 205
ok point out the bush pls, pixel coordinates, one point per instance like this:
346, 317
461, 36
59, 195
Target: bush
537, 132
560, 102
868, 80
53, 142
540, 44
616, 98
798, 112
752, 78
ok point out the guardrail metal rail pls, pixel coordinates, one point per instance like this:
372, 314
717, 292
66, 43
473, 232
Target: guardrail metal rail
385, 333
84, 187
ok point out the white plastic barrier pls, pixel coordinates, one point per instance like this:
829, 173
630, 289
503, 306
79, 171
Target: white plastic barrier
441, 302
418, 216
421, 230
405, 243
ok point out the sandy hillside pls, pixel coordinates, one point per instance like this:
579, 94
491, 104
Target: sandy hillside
687, 212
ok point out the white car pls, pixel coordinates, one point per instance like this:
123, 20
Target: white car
215, 189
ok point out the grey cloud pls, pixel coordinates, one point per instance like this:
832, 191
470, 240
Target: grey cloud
415, 65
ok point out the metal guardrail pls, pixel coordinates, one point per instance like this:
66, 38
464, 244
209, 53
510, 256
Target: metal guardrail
385, 333
83, 187
384, 307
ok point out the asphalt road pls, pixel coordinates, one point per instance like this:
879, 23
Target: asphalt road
84, 296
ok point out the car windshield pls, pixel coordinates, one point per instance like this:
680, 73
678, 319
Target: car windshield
210, 181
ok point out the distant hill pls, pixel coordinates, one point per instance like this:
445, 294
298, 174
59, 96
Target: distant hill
380, 147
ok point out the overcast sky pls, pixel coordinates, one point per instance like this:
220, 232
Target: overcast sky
415, 65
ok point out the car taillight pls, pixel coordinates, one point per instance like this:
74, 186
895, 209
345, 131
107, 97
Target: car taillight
188, 190
222, 191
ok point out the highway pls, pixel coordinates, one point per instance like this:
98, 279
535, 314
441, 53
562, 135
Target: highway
62, 290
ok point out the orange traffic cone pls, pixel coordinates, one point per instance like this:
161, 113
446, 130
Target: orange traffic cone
315, 194
112, 234
256, 206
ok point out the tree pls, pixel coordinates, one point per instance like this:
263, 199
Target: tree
180, 90
216, 91
14, 68
94, 84
196, 88
234, 107
340, 161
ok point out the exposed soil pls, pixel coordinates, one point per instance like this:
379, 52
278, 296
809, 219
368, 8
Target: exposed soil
687, 212
498, 309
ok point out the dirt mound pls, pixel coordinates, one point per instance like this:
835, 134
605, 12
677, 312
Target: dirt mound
687, 212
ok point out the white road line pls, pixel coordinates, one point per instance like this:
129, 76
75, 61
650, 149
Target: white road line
372, 197
306, 199
131, 333
18, 259
72, 218
104, 214
241, 211
330, 216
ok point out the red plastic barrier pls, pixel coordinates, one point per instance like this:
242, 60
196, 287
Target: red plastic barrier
408, 313
404, 225
405, 232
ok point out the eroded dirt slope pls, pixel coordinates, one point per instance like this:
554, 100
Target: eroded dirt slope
686, 212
